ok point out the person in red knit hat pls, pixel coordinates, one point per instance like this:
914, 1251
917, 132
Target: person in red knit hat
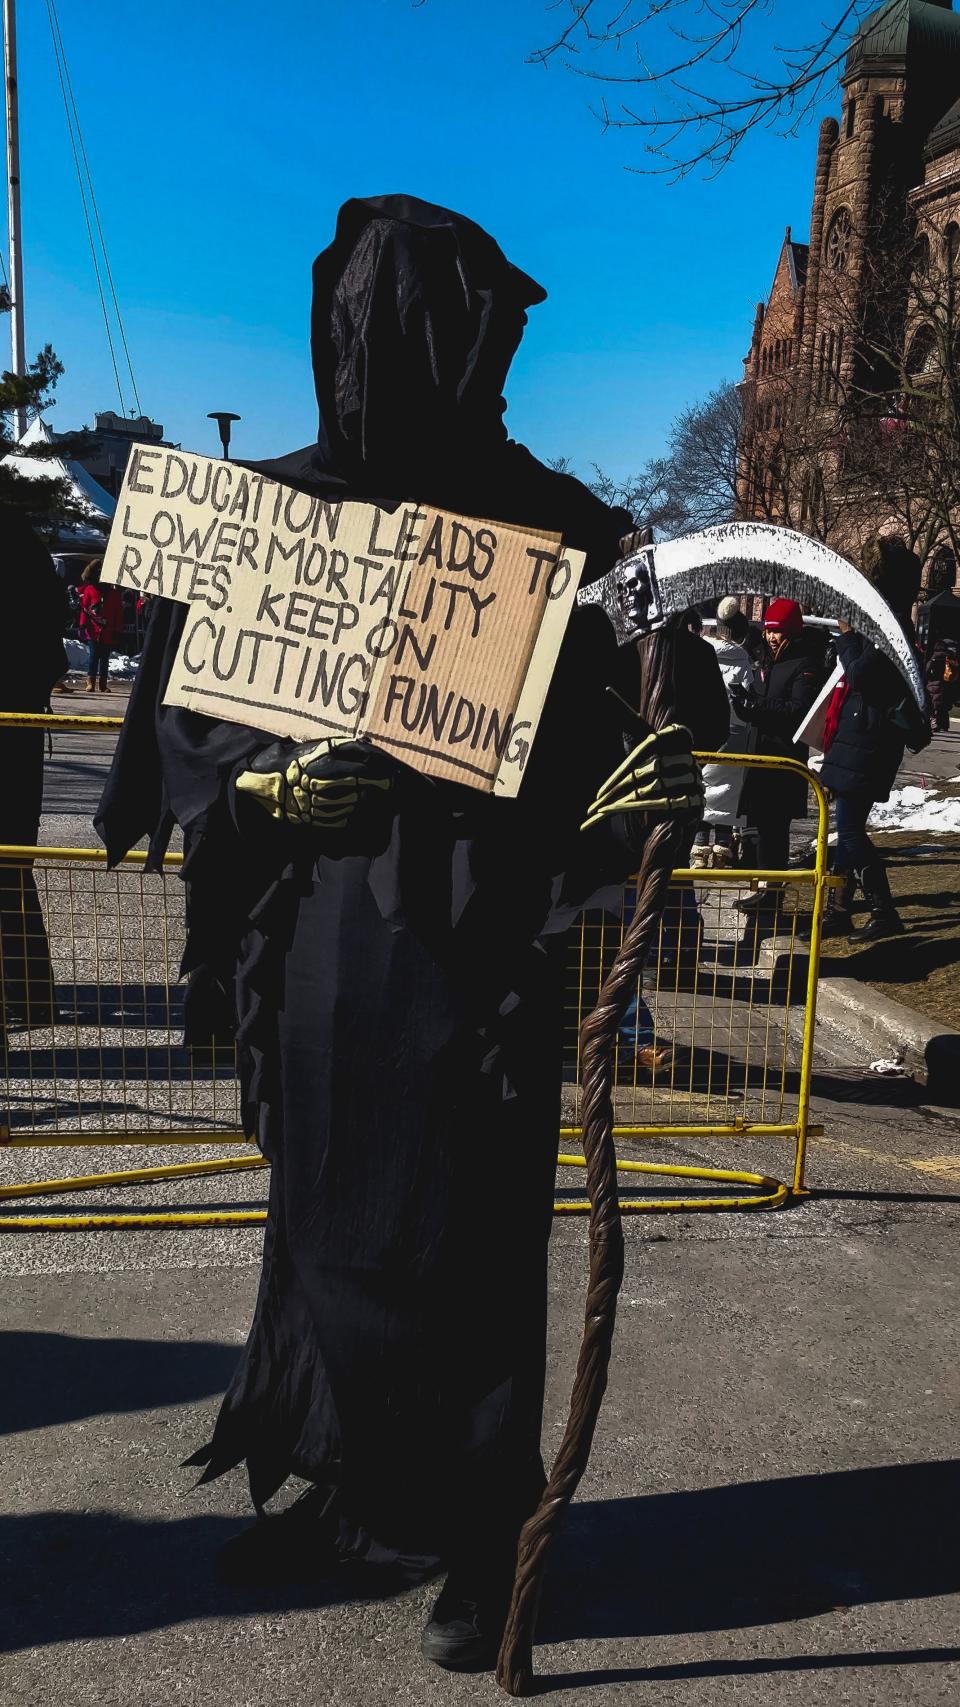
789, 684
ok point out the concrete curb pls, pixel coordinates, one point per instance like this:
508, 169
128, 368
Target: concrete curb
885, 1028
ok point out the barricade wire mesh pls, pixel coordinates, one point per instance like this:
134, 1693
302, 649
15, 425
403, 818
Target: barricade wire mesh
92, 1008
708, 1039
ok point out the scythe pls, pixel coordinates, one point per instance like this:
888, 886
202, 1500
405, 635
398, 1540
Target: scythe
640, 595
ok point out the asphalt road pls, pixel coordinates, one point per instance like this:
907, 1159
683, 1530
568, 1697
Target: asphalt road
771, 1511
76, 766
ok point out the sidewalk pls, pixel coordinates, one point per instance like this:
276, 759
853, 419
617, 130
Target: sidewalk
918, 972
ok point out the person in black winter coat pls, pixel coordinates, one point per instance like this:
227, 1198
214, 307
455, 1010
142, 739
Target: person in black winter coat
789, 685
701, 698
35, 662
941, 676
702, 706
865, 744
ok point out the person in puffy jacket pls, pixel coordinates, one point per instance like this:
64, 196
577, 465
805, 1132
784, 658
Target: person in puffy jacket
789, 684
724, 783
100, 624
864, 744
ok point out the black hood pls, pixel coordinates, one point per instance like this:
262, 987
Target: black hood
417, 315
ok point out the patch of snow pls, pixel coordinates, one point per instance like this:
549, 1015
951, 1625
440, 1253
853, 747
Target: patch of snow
120, 664
893, 1069
916, 809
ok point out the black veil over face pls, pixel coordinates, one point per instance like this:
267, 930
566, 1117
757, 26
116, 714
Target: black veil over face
417, 314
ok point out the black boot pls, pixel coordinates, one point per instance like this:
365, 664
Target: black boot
884, 919
837, 917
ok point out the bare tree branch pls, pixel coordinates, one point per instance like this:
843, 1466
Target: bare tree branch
694, 485
696, 69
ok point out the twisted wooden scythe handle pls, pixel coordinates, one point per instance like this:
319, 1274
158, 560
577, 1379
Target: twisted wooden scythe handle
598, 1037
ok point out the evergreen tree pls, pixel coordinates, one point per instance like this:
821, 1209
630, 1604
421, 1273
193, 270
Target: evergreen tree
49, 503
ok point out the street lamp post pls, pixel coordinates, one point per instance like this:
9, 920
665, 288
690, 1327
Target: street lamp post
223, 419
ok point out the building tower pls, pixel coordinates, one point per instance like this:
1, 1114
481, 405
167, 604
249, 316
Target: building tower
901, 78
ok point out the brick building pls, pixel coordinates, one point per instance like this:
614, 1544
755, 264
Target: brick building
886, 185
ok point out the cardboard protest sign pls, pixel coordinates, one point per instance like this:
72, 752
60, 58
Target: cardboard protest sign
432, 635
811, 730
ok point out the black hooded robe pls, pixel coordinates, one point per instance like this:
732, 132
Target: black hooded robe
398, 1007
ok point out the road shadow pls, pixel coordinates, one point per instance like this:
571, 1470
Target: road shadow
751, 1554
172, 1061
96, 1575
878, 1090
711, 1559
51, 1378
780, 1665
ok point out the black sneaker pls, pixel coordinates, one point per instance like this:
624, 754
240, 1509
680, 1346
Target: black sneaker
298, 1545
463, 1632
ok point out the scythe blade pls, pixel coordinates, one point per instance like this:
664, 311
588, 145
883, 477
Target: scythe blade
660, 581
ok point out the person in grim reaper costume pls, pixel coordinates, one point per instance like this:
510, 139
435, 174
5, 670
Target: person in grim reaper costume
390, 950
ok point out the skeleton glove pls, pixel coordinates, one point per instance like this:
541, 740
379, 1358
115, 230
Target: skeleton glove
660, 779
330, 785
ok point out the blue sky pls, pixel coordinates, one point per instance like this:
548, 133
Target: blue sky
223, 135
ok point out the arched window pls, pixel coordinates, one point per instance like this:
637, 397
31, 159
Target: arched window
922, 353
839, 241
951, 247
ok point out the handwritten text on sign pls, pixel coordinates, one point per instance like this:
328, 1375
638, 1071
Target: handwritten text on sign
432, 635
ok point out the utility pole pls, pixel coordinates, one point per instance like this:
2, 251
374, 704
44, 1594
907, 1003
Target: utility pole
18, 364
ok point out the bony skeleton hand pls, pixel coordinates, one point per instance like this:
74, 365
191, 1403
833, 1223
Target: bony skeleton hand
660, 777
322, 785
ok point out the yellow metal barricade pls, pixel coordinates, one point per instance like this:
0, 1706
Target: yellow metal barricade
92, 1015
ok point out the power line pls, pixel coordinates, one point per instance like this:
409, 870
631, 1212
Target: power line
55, 24
73, 129
86, 214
